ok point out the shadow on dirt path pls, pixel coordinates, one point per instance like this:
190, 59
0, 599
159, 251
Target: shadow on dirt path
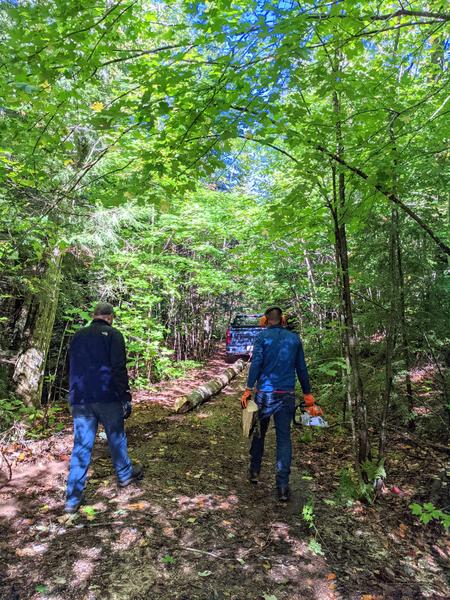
194, 529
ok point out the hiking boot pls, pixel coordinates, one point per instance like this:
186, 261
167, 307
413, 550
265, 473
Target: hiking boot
253, 476
283, 493
136, 475
72, 508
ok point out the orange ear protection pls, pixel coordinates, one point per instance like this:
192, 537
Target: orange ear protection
264, 320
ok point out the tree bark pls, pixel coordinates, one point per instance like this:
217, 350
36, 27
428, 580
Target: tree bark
404, 334
30, 366
209, 389
390, 334
350, 336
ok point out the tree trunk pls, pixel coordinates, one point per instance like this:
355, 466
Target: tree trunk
390, 333
402, 319
209, 389
350, 336
30, 366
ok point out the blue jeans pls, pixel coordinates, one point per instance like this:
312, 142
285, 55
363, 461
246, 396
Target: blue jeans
284, 408
86, 418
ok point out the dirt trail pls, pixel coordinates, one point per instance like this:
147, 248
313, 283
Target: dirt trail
195, 529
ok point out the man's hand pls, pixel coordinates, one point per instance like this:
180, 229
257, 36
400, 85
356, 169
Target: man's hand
246, 397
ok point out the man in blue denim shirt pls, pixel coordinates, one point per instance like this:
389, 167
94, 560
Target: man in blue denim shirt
99, 393
277, 359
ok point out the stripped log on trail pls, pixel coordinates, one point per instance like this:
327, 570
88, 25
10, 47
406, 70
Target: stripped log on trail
208, 389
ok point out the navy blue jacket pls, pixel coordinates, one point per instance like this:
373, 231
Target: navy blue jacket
98, 365
277, 358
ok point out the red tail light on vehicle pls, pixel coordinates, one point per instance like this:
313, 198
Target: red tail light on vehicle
228, 338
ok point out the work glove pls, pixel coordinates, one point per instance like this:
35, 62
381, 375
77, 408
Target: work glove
246, 397
309, 399
126, 405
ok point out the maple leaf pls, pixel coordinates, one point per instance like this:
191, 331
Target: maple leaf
97, 106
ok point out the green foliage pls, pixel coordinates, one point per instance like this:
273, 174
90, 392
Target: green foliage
352, 488
315, 547
374, 470
309, 517
39, 422
308, 513
41, 588
44, 421
428, 512
305, 435
12, 409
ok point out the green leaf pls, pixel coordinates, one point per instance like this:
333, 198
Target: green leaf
168, 559
42, 588
416, 509
426, 518
330, 502
315, 547
89, 511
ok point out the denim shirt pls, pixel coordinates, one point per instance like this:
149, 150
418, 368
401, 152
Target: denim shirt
277, 358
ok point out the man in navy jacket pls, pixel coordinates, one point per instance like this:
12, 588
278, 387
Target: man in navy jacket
98, 393
276, 362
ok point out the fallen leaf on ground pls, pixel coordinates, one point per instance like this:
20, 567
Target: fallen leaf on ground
136, 506
204, 573
67, 519
331, 576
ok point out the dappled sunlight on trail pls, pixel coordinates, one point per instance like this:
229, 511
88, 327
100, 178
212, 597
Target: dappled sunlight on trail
195, 529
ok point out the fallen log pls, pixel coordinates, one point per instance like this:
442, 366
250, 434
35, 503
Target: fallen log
208, 389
